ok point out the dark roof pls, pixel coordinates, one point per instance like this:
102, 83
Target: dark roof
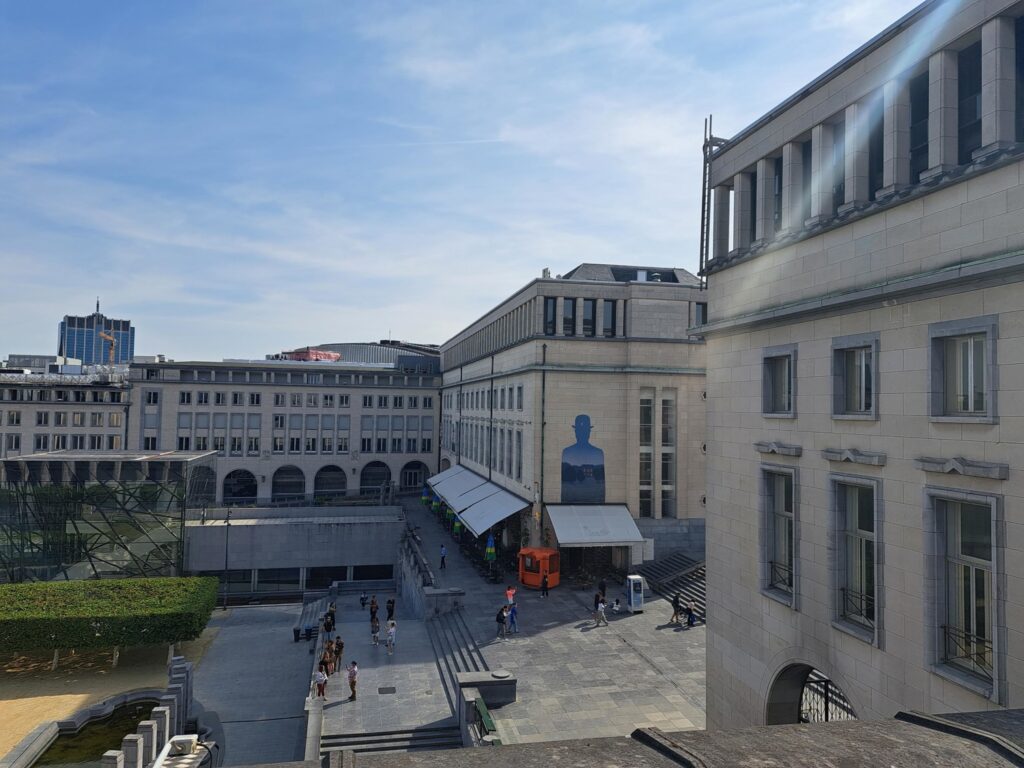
626, 273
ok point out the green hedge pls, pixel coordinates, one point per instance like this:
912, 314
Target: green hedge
41, 616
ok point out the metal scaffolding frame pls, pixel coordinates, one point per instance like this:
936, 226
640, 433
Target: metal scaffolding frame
68, 515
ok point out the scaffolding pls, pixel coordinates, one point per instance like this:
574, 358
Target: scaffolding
69, 515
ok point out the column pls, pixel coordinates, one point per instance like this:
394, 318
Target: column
822, 173
147, 730
765, 199
741, 186
620, 317
578, 316
792, 186
559, 311
942, 128
112, 758
896, 137
131, 747
998, 85
857, 127
721, 222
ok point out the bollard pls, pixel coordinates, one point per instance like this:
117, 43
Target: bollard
147, 730
112, 758
171, 704
131, 746
162, 717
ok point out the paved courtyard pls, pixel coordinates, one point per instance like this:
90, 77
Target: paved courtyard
576, 680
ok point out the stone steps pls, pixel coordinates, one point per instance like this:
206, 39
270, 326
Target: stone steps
678, 574
455, 650
434, 737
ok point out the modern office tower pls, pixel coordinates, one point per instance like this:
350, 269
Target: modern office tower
96, 339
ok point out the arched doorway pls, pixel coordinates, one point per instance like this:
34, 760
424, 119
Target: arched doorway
289, 484
414, 474
239, 487
445, 464
374, 476
202, 488
803, 694
330, 483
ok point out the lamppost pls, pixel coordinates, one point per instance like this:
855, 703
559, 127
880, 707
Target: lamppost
227, 538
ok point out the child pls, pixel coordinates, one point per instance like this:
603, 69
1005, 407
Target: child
390, 640
363, 599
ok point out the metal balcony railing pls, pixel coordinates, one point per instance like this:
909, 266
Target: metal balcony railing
858, 606
780, 576
972, 652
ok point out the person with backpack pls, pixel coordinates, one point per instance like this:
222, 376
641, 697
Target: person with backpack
501, 620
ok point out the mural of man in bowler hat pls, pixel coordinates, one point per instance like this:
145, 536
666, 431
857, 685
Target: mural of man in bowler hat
582, 467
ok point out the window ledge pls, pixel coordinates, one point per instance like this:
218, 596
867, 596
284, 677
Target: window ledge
855, 416
788, 415
963, 419
856, 630
779, 596
965, 679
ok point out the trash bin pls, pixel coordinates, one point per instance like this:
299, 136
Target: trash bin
308, 631
297, 634
635, 593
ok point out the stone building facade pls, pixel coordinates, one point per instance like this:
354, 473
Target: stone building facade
865, 379
591, 369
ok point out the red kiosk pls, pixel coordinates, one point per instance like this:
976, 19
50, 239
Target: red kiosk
535, 563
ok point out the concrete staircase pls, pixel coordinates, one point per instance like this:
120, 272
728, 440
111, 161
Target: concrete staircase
455, 651
677, 574
431, 737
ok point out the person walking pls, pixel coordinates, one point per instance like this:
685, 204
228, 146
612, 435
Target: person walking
544, 585
602, 588
339, 649
597, 601
373, 608
390, 605
353, 678
513, 616
328, 626
327, 659
500, 620
691, 613
677, 608
601, 617
444, 556
375, 630
392, 630
363, 600
510, 594
320, 679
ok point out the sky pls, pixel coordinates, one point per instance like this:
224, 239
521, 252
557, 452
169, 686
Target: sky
241, 177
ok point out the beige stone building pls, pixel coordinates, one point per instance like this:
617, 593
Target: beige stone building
866, 382
581, 396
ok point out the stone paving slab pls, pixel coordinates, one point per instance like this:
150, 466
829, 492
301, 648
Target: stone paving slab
418, 699
576, 680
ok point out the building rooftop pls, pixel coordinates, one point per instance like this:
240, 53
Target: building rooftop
624, 273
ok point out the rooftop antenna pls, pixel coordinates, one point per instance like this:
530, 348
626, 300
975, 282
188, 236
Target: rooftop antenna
97, 305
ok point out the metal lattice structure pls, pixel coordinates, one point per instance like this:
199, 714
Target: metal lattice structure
73, 515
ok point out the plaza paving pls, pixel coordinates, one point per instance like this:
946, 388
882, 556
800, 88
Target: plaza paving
576, 680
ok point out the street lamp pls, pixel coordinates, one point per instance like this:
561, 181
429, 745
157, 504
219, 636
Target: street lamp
227, 538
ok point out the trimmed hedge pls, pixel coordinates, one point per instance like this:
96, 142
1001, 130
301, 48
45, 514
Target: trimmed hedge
42, 616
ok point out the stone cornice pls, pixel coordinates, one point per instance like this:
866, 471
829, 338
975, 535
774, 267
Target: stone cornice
854, 456
958, 465
779, 449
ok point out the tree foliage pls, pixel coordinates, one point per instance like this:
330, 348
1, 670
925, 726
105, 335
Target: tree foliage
41, 616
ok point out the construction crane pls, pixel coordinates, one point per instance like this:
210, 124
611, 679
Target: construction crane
108, 337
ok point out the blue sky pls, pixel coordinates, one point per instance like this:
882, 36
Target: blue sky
243, 177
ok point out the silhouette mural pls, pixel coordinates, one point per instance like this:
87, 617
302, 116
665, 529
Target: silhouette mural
582, 467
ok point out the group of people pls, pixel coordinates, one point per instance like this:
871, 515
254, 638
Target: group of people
678, 608
508, 615
331, 658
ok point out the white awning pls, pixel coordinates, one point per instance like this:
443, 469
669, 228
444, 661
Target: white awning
593, 525
478, 502
491, 510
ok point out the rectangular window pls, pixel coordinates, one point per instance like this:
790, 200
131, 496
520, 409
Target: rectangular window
414, 401
279, 400
148, 443
277, 445
700, 313
366, 444
426, 445
255, 398
236, 445
220, 398
343, 401
856, 525
95, 442
114, 420
184, 443
78, 419
311, 444
367, 401
202, 443
778, 382
646, 465
79, 396
428, 402
113, 442
568, 317
60, 442
42, 418
608, 318
60, 418
42, 443
96, 419
502, 399
218, 444
294, 444
918, 88
589, 317
519, 397
14, 418
312, 400
184, 398
876, 142
328, 401
777, 194
968, 103
342, 444
152, 398
780, 530
238, 398
202, 398
382, 401
382, 445
253, 446
969, 623
838, 166
396, 402
296, 399
396, 445
410, 445
963, 369
805, 198
646, 421
855, 376
550, 307
519, 455
14, 442
278, 421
